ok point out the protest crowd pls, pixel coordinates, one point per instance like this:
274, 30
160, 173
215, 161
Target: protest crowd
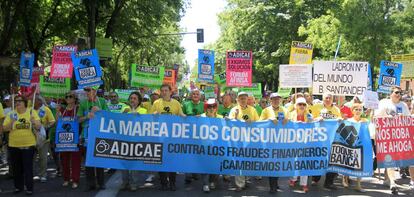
61, 126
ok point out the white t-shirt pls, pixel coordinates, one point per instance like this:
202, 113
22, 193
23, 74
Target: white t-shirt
387, 108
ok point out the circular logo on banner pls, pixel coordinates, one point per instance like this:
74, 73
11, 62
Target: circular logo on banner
102, 146
388, 158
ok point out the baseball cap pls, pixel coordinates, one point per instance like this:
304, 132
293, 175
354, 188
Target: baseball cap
274, 95
242, 93
300, 100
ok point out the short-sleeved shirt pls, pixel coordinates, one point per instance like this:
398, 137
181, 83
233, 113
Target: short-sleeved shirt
193, 109
139, 110
293, 116
269, 113
249, 113
147, 105
224, 111
117, 108
331, 112
2, 115
217, 115
21, 134
85, 107
172, 107
258, 109
45, 115
387, 108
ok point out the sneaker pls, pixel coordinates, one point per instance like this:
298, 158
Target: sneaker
411, 185
43, 179
75, 185
206, 189
150, 178
65, 184
292, 183
239, 189
314, 183
212, 185
29, 193
394, 190
330, 187
305, 188
133, 188
360, 189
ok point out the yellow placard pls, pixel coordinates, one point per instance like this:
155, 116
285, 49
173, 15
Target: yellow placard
301, 53
408, 64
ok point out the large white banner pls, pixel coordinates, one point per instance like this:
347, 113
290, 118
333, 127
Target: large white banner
295, 76
340, 77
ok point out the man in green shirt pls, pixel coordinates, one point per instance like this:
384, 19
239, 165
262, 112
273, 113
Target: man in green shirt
225, 107
194, 107
87, 109
116, 106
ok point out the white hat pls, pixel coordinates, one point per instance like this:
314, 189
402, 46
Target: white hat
211, 101
242, 93
7, 97
146, 96
274, 95
300, 100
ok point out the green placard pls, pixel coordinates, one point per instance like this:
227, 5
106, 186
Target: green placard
256, 90
284, 92
220, 78
123, 94
54, 87
209, 92
147, 76
104, 47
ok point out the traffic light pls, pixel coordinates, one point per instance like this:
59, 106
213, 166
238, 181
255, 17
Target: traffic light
200, 35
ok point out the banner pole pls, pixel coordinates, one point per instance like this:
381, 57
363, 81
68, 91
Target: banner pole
337, 48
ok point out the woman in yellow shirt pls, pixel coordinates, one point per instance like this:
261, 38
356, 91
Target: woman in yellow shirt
300, 114
130, 177
22, 141
357, 110
210, 109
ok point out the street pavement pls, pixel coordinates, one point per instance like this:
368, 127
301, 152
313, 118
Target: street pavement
257, 187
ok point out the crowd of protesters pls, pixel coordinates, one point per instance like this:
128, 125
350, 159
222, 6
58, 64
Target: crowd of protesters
28, 131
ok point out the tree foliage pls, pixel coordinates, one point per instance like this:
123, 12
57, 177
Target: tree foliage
370, 30
133, 25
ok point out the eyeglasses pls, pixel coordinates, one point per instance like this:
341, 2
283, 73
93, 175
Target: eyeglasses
397, 92
87, 89
69, 96
114, 96
301, 104
358, 109
211, 106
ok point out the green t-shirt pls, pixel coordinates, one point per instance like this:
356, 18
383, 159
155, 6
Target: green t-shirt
191, 109
117, 108
85, 107
258, 109
224, 111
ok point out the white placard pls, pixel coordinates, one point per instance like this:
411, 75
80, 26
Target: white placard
340, 77
295, 76
370, 99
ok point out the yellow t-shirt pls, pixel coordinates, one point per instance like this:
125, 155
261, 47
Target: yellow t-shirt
291, 108
249, 113
293, 116
147, 105
331, 112
21, 134
217, 115
45, 115
166, 107
1, 111
270, 113
139, 110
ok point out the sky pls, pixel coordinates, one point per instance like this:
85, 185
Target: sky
200, 14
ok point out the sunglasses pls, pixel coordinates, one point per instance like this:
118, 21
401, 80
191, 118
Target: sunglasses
113, 96
19, 100
301, 104
69, 96
397, 92
87, 89
211, 106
